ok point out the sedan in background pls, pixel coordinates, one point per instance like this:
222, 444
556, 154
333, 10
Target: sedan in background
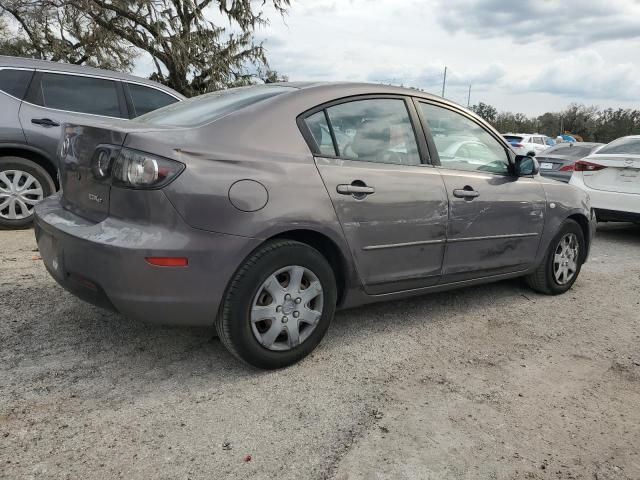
236, 209
558, 162
611, 177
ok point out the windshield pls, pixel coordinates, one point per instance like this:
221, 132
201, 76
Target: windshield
210, 106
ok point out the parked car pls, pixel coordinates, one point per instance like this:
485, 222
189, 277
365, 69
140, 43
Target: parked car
237, 209
526, 144
611, 177
36, 98
558, 162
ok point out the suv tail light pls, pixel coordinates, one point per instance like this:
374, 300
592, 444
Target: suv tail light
518, 145
132, 168
584, 166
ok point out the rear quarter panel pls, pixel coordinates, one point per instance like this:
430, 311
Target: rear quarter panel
261, 144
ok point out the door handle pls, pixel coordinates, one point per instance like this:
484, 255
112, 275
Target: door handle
358, 189
45, 122
467, 193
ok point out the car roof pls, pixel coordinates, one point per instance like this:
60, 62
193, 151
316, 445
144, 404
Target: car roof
339, 89
19, 62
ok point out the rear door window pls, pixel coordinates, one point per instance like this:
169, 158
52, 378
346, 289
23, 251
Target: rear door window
374, 130
74, 93
15, 82
147, 99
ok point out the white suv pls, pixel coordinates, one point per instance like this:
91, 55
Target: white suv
611, 177
527, 144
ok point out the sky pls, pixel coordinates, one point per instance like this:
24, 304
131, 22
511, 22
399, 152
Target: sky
528, 56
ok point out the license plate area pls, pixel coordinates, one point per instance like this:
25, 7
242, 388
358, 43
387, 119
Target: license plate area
546, 166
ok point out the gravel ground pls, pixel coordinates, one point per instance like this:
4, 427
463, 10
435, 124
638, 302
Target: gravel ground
492, 382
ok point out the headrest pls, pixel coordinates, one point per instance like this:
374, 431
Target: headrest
371, 138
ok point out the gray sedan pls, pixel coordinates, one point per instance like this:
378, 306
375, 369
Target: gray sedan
558, 161
261, 210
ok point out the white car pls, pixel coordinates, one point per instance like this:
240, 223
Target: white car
611, 177
527, 144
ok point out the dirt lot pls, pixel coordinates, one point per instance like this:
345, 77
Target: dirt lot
494, 382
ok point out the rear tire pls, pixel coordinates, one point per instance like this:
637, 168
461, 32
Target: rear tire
266, 343
22, 184
548, 277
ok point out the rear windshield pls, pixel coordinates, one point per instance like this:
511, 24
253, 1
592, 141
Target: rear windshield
629, 146
210, 106
512, 139
570, 150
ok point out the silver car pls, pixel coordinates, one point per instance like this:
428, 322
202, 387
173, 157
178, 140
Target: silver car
261, 210
36, 98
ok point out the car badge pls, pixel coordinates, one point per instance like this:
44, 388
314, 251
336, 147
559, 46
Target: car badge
95, 198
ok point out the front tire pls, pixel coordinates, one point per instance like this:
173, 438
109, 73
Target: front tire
23, 184
562, 263
278, 306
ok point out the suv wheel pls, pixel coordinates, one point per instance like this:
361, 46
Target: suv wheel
278, 306
23, 184
562, 263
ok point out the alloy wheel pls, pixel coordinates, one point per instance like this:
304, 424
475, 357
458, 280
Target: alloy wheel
19, 193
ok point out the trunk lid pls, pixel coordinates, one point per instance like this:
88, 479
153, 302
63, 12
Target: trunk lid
82, 192
622, 173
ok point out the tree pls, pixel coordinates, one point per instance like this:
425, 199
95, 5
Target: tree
271, 76
485, 111
190, 52
57, 31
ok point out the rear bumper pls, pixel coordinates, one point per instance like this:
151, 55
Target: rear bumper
613, 202
104, 263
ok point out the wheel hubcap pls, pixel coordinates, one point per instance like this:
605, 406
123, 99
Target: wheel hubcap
565, 259
19, 194
287, 308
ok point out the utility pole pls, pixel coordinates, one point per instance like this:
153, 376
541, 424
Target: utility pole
444, 80
469, 97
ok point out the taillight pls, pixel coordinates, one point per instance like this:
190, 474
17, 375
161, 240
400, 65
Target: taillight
568, 168
584, 166
133, 169
518, 145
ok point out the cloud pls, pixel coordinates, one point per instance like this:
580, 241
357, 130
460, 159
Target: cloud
567, 24
584, 74
430, 76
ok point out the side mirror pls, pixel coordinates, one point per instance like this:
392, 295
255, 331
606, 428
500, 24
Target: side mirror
526, 166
